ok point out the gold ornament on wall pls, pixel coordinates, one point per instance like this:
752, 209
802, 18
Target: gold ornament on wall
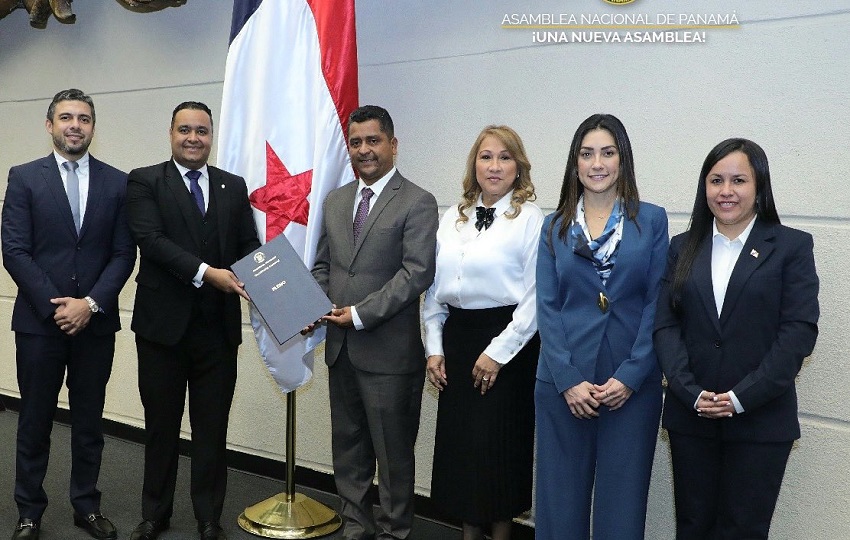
41, 10
144, 6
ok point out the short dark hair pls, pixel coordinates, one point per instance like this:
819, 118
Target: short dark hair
373, 112
71, 94
192, 105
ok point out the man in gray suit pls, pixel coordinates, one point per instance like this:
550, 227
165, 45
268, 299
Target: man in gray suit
375, 257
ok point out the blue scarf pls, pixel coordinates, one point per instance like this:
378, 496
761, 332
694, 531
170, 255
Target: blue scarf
601, 251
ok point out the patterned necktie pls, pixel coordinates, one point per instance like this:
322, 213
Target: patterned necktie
362, 211
73, 189
195, 190
484, 217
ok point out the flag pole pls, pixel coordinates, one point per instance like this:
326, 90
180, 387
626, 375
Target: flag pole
289, 514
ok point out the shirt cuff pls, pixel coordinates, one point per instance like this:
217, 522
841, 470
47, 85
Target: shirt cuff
198, 280
433, 343
737, 404
358, 324
505, 346
696, 403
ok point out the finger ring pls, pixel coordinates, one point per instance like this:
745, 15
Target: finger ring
485, 379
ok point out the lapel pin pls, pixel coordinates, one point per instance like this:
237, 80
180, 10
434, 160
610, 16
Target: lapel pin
755, 254
222, 186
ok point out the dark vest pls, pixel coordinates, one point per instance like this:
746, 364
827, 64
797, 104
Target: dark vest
208, 303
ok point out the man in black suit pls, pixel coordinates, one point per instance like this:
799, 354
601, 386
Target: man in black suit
67, 246
191, 222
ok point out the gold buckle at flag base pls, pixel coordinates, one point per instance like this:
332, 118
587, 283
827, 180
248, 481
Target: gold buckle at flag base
602, 303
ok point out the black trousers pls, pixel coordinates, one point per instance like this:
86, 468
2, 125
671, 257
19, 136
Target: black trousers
42, 363
725, 490
204, 363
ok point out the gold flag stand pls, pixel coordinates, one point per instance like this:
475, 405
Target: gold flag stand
290, 514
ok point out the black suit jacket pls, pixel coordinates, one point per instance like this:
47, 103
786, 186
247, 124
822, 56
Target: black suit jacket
45, 256
169, 243
755, 348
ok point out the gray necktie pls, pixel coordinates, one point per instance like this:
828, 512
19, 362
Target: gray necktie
73, 189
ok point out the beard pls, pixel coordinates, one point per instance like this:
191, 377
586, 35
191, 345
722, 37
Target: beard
78, 149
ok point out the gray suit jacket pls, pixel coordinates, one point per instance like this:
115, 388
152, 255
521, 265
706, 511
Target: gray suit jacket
383, 275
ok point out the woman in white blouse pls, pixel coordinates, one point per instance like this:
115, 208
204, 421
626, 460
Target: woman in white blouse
481, 340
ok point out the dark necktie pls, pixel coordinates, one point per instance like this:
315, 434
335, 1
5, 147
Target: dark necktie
72, 187
484, 217
362, 211
195, 190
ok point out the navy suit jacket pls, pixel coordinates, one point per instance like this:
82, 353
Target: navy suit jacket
45, 256
572, 327
755, 348
170, 242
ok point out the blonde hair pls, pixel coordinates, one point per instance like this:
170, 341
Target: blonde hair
523, 189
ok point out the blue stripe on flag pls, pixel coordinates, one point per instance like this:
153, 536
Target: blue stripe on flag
242, 11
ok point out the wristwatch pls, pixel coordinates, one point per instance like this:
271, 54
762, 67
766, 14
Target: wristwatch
92, 304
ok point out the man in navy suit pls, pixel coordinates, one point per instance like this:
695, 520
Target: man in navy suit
67, 246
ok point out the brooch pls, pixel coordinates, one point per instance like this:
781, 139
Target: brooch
602, 302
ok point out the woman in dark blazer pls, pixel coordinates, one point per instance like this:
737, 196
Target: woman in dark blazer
736, 317
598, 392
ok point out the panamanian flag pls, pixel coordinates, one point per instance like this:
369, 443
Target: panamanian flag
290, 83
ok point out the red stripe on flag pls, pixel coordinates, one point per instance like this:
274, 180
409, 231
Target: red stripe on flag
336, 28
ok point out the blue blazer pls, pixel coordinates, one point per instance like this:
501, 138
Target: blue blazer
571, 325
755, 348
45, 256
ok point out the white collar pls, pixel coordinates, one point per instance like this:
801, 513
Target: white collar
378, 186
82, 162
501, 206
183, 170
742, 237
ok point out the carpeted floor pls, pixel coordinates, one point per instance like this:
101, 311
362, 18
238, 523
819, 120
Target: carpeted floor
120, 482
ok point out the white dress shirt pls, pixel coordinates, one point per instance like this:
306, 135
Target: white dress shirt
204, 182
491, 268
377, 187
82, 176
724, 255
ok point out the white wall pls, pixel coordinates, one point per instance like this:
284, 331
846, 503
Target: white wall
445, 69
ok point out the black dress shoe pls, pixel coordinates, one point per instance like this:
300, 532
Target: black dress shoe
27, 529
211, 530
96, 525
148, 530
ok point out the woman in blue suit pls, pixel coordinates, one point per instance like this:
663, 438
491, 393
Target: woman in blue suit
598, 392
737, 315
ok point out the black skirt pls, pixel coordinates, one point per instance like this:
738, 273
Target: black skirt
484, 445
